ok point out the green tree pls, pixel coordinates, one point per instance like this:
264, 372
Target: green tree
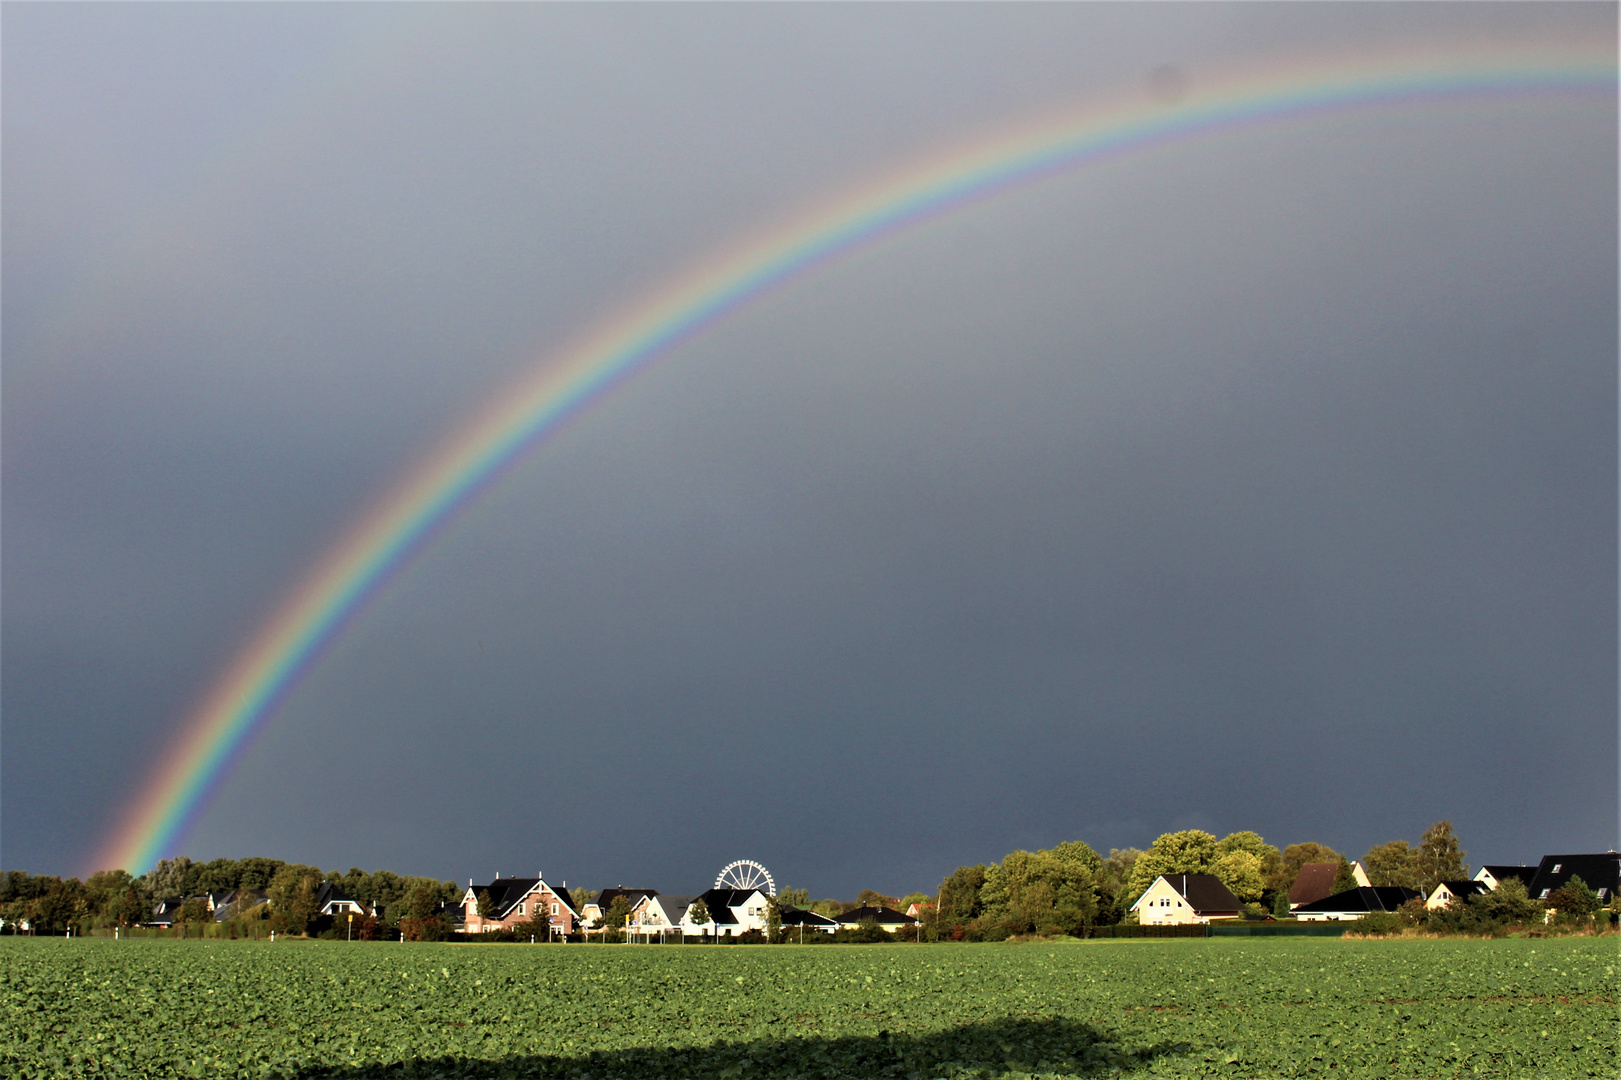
698, 914
1507, 905
959, 901
486, 906
292, 897
618, 913
1039, 892
1344, 877
1191, 851
1575, 901
794, 897
171, 877
194, 912
873, 898
60, 907
1440, 858
1242, 872
421, 901
1078, 851
1392, 864
773, 920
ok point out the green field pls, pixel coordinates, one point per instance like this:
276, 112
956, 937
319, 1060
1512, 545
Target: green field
1236, 1008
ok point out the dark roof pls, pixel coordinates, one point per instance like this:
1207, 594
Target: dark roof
1600, 871
878, 915
606, 897
505, 893
237, 901
1204, 892
792, 916
1316, 882
1464, 889
331, 894
676, 906
1503, 873
165, 910
720, 903
1365, 899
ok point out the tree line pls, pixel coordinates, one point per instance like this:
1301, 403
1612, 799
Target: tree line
114, 898
1069, 888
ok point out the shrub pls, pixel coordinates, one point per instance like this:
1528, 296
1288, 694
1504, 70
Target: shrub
1376, 923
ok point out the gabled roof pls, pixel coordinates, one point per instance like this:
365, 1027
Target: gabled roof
606, 897
792, 916
165, 910
1364, 899
1203, 892
1464, 889
674, 907
331, 894
879, 915
507, 893
721, 903
1599, 871
1316, 882
1504, 872
236, 902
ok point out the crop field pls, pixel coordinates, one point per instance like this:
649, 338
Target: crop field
1231, 1008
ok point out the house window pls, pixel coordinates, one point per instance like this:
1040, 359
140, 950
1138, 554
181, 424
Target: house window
1543, 895
1556, 867
523, 909
1601, 891
554, 909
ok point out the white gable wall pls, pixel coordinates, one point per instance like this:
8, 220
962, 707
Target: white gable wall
1162, 905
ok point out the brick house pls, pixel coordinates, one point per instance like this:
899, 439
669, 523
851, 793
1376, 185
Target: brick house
515, 901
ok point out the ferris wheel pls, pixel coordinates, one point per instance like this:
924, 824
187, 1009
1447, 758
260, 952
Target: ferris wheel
746, 874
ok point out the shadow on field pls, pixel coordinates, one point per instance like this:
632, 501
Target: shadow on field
991, 1049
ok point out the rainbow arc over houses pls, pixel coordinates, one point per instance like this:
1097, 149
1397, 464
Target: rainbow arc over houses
261, 676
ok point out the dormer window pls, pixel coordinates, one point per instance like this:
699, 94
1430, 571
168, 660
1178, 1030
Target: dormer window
1543, 895
1556, 867
1601, 891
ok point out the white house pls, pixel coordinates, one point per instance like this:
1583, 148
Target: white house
1176, 899
732, 912
655, 916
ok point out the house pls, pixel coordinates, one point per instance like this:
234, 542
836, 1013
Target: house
1315, 882
1601, 872
597, 910
331, 900
514, 901
166, 912
1176, 899
656, 915
229, 905
732, 912
1494, 875
801, 920
887, 918
916, 910
1355, 903
1446, 892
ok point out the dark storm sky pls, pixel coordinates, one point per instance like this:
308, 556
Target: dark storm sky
1269, 484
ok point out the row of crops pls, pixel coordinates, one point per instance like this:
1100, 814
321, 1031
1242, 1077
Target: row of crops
1235, 1007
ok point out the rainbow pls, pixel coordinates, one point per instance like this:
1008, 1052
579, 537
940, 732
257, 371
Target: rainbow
406, 518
